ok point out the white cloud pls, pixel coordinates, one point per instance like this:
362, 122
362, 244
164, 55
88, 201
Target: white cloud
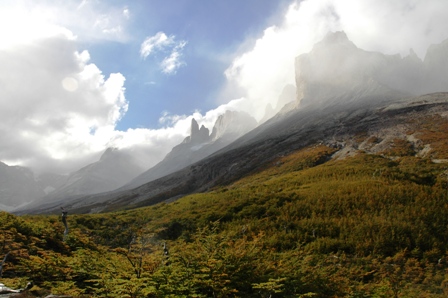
171, 63
58, 111
126, 13
160, 42
376, 25
88, 20
54, 105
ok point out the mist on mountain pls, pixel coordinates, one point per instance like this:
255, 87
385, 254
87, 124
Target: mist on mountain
336, 71
200, 144
335, 79
335, 74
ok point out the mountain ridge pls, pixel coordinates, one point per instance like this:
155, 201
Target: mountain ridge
333, 126
341, 91
200, 144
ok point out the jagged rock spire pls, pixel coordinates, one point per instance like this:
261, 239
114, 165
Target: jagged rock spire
198, 135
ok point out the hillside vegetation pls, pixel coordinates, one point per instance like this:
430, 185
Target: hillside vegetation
308, 225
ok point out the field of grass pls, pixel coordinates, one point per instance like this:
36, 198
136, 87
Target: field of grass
305, 226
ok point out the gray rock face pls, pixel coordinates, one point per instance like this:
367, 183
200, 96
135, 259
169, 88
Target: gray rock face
338, 71
17, 186
232, 125
197, 136
436, 68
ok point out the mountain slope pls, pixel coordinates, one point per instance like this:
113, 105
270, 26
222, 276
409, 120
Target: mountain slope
336, 70
17, 186
114, 169
343, 92
309, 224
375, 129
198, 145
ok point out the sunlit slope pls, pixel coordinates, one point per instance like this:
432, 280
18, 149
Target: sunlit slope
307, 223
362, 204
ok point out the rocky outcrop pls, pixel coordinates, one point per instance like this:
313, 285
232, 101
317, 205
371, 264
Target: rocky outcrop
197, 135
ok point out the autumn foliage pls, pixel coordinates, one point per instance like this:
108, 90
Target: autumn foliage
306, 226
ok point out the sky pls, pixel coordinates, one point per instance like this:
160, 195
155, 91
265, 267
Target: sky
77, 77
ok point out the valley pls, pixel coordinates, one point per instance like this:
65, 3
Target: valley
342, 193
363, 215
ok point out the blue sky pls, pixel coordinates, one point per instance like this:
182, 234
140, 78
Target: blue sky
214, 32
79, 76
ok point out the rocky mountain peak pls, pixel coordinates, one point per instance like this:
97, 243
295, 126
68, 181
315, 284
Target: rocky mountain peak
335, 39
194, 127
285, 102
109, 153
337, 71
197, 135
203, 133
228, 127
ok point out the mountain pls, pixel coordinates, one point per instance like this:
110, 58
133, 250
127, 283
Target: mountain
119, 170
111, 171
114, 169
436, 68
345, 198
337, 71
373, 129
200, 144
347, 98
49, 182
17, 186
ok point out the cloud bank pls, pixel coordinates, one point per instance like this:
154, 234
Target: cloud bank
91, 21
55, 105
58, 110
